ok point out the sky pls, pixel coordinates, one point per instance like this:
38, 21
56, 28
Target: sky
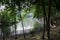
2, 7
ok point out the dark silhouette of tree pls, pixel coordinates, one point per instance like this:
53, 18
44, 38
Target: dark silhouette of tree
44, 13
48, 19
21, 19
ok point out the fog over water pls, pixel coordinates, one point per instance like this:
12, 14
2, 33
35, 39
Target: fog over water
28, 23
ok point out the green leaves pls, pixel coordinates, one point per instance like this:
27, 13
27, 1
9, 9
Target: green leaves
8, 17
38, 12
6, 31
37, 26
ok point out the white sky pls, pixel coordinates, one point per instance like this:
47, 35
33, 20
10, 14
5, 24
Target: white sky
2, 7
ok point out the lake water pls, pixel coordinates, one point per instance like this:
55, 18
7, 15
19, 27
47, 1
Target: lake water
28, 23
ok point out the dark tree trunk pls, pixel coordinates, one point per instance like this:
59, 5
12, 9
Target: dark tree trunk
48, 21
3, 37
21, 20
22, 26
15, 20
1, 33
15, 26
44, 13
15, 31
23, 29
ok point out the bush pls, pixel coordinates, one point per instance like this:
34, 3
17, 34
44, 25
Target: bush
37, 27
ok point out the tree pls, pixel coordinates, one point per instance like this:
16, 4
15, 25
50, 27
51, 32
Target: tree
45, 18
39, 5
48, 19
7, 20
21, 19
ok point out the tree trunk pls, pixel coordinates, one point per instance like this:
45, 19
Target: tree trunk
23, 29
15, 26
22, 22
22, 25
15, 31
3, 37
1, 33
48, 21
43, 6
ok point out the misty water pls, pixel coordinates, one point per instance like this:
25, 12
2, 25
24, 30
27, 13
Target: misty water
28, 23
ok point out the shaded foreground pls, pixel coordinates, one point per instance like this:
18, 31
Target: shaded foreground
55, 35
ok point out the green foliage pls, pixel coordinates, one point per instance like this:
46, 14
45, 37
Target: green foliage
7, 19
38, 12
37, 26
6, 31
